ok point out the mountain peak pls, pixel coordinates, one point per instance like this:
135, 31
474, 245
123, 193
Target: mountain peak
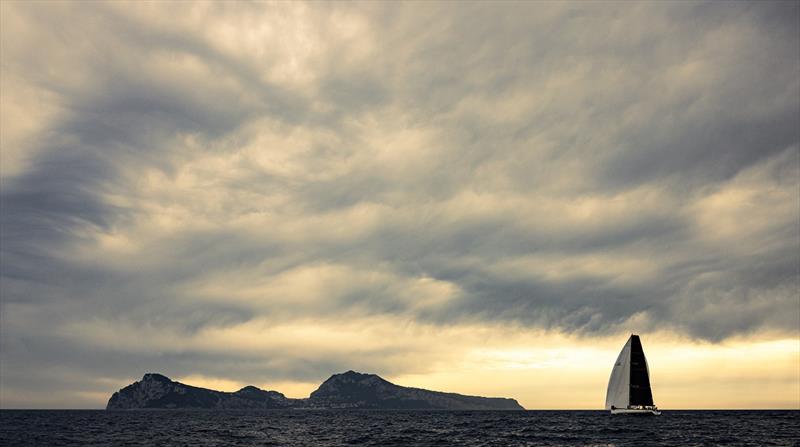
249, 389
352, 378
156, 377
350, 374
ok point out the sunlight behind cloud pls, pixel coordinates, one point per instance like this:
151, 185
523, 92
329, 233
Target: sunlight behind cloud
483, 198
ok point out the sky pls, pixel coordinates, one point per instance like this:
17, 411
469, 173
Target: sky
484, 198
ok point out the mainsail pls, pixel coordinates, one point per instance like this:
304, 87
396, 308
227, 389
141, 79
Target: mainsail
629, 384
640, 377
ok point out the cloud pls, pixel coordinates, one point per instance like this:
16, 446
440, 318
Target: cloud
219, 171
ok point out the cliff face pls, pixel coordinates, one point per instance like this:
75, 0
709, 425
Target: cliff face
157, 391
346, 390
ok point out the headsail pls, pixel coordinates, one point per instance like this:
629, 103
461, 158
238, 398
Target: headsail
618, 393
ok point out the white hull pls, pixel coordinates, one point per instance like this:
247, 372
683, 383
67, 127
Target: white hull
635, 411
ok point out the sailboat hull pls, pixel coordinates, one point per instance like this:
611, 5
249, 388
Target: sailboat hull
637, 411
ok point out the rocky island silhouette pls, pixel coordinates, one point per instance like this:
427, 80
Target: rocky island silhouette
348, 390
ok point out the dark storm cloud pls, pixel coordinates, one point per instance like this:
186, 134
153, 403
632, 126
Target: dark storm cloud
585, 168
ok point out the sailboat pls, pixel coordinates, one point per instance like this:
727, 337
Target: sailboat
629, 386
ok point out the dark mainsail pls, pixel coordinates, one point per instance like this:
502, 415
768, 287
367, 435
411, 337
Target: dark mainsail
640, 381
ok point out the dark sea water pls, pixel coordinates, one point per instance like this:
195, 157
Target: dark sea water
395, 428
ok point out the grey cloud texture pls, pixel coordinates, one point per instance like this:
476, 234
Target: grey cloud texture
178, 169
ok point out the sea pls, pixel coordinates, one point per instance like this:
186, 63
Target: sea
395, 428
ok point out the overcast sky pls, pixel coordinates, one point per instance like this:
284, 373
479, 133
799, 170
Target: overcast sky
443, 194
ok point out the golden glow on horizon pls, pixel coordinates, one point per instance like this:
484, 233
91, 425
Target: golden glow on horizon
542, 370
553, 371
684, 375
287, 387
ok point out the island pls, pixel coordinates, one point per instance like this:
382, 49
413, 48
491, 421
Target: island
348, 390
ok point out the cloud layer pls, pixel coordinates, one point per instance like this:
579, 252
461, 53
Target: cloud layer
178, 179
